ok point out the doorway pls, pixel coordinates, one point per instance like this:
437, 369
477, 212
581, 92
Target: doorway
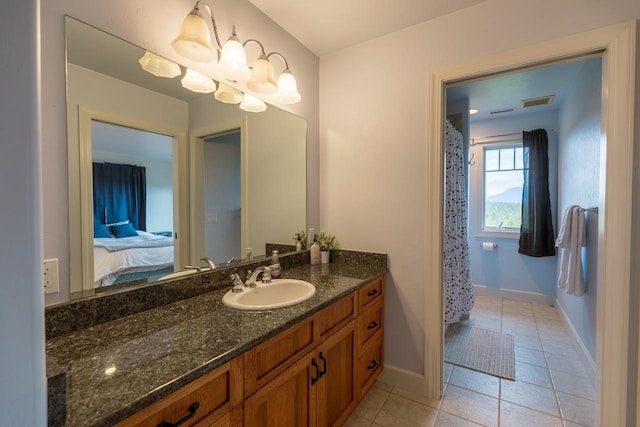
218, 160
81, 212
222, 196
515, 293
614, 221
132, 183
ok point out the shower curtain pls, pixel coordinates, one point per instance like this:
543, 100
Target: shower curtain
458, 291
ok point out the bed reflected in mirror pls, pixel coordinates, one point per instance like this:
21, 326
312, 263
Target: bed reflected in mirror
132, 188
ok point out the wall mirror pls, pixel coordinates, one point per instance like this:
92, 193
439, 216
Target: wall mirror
216, 181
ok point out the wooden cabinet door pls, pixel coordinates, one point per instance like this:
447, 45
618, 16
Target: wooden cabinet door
288, 400
336, 394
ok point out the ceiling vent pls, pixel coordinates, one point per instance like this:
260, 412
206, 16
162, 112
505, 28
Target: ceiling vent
534, 102
506, 110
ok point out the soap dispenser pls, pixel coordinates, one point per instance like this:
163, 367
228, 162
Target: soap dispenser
276, 270
315, 251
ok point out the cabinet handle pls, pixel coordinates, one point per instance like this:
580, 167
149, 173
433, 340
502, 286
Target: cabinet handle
192, 412
372, 325
372, 293
324, 365
317, 377
372, 365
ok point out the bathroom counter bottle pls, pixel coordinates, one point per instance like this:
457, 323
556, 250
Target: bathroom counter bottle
276, 269
315, 251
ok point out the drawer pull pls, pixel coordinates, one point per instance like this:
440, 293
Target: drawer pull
372, 325
372, 365
324, 365
372, 293
192, 412
317, 377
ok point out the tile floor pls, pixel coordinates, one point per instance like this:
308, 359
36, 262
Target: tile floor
552, 387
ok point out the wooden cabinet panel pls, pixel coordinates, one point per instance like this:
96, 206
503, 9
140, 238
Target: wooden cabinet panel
286, 401
369, 365
370, 322
371, 293
210, 396
336, 387
334, 317
265, 361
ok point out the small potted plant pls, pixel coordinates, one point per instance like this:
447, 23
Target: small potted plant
327, 242
301, 240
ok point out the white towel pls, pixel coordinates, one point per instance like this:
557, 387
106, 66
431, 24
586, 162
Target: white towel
569, 241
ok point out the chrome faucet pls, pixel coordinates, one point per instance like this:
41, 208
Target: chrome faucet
253, 276
237, 283
208, 261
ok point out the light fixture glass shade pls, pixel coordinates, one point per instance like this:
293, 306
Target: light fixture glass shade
194, 40
233, 61
196, 82
262, 79
252, 104
227, 94
159, 66
287, 88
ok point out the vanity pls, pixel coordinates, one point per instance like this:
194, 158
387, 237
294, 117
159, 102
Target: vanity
169, 352
201, 362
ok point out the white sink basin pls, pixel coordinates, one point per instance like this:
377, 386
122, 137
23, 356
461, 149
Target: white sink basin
265, 296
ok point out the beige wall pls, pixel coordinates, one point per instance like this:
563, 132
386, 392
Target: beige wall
373, 132
151, 25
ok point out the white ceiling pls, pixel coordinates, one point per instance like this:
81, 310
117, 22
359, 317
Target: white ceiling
325, 26
136, 143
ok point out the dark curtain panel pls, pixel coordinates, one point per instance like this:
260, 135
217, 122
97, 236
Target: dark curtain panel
536, 231
120, 194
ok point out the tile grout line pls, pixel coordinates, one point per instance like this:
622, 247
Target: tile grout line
381, 406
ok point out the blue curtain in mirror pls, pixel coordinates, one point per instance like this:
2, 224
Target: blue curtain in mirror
120, 194
536, 232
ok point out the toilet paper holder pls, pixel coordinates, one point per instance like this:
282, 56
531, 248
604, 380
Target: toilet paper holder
493, 244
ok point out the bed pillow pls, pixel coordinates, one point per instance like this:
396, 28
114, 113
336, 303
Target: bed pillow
101, 231
123, 230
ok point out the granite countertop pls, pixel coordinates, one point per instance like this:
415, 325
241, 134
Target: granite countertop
117, 368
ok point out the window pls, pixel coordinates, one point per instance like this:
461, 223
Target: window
502, 188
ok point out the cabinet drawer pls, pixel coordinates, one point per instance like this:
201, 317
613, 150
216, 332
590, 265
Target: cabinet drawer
370, 366
232, 419
371, 293
334, 317
265, 361
209, 398
370, 322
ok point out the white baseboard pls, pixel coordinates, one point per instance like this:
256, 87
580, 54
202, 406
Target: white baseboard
584, 353
514, 295
406, 380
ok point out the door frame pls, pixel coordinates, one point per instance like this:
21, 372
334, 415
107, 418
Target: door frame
196, 179
80, 189
617, 45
